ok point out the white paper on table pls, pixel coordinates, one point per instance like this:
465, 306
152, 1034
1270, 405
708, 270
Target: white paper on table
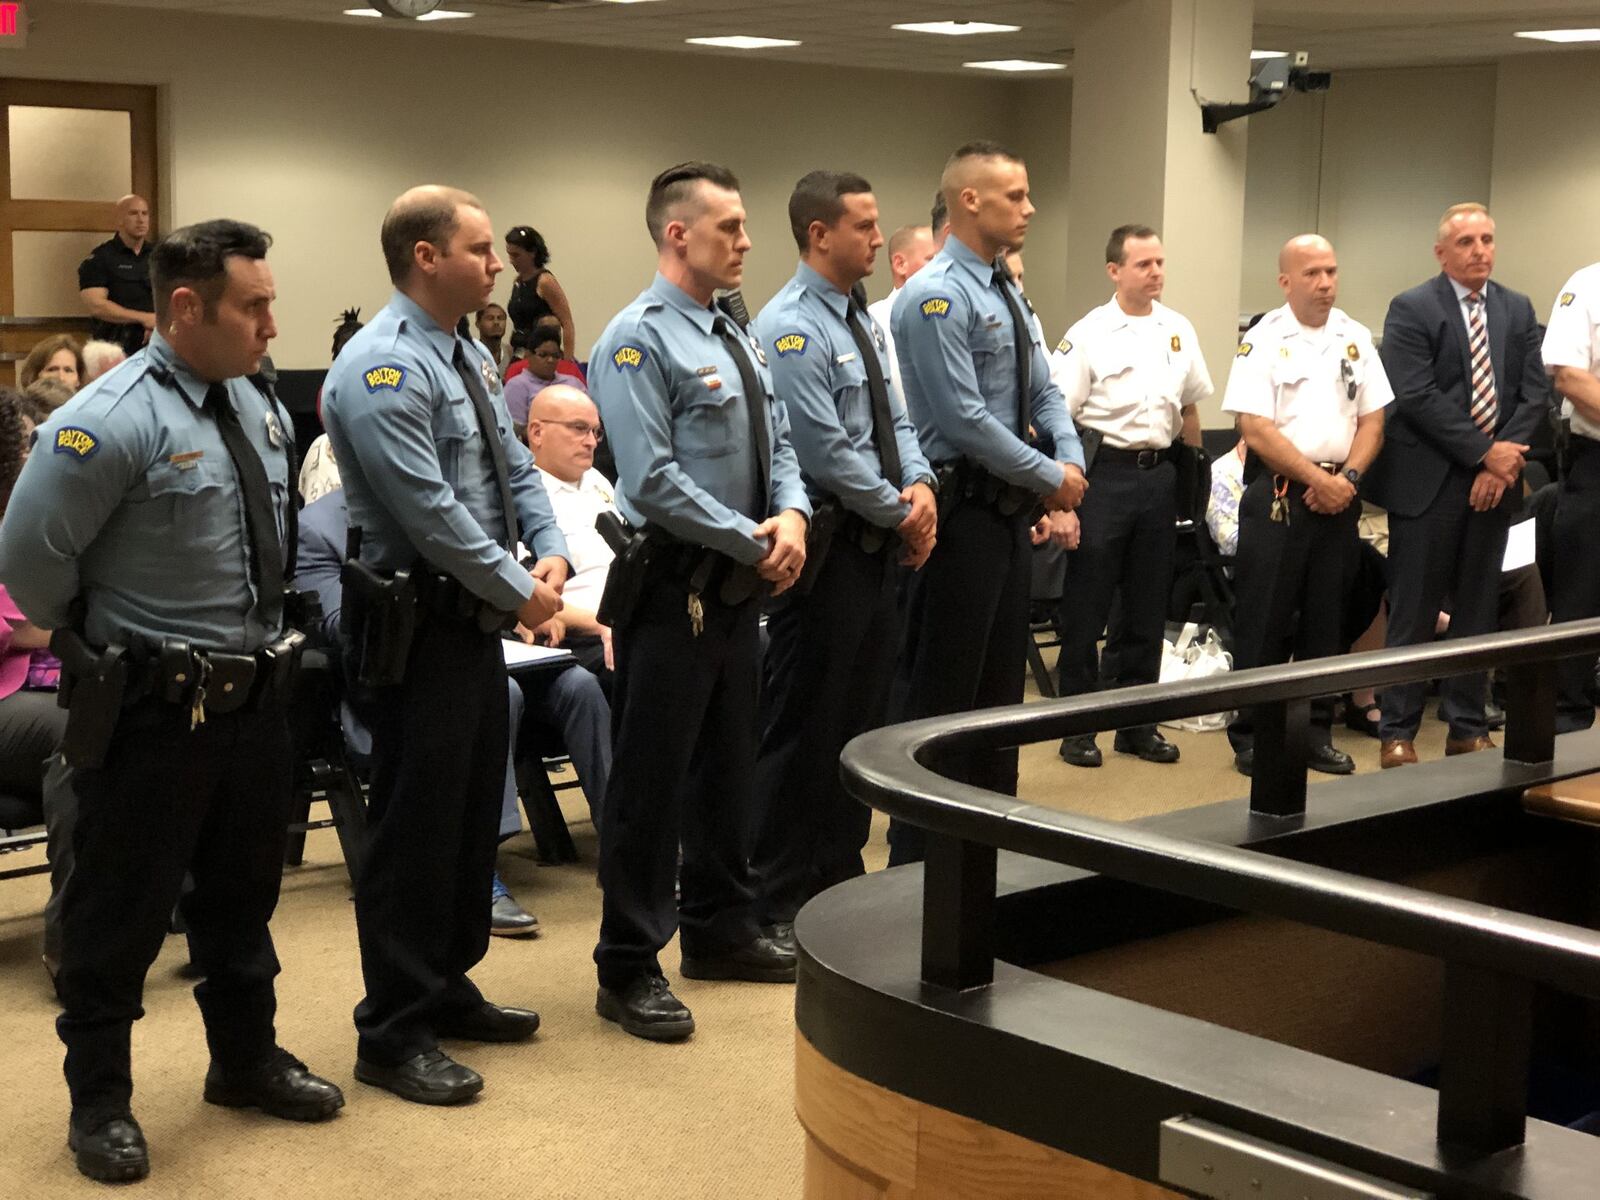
520, 654
1519, 546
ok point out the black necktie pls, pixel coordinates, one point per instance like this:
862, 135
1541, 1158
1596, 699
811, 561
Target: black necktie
266, 553
1024, 347
882, 419
490, 429
755, 398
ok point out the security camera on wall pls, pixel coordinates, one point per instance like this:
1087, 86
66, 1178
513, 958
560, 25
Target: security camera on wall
1270, 81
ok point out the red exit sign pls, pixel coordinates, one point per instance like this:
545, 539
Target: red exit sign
13, 24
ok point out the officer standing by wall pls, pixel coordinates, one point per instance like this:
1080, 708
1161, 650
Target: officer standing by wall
150, 529
708, 478
1310, 391
114, 280
976, 384
1132, 373
1571, 354
441, 491
830, 657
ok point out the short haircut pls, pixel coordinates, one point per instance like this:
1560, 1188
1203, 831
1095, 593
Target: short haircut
50, 393
545, 333
99, 357
940, 213
526, 237
425, 215
981, 149
1459, 210
196, 257
900, 240
677, 184
43, 351
819, 196
1116, 246
478, 316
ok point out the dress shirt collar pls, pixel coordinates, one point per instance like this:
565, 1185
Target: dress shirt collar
703, 316
978, 267
417, 319
811, 279
190, 386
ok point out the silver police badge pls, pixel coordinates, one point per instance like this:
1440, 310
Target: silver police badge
491, 377
274, 431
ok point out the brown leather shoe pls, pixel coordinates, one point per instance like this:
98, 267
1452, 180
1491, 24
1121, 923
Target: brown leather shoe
1396, 753
1454, 746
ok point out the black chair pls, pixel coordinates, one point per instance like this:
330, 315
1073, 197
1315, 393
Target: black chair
541, 752
1044, 611
322, 765
18, 817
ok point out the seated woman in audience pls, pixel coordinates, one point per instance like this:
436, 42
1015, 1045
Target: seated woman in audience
57, 357
45, 395
544, 369
536, 293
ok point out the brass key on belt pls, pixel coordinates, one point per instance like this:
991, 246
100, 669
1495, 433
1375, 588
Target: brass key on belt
1280, 510
197, 709
697, 614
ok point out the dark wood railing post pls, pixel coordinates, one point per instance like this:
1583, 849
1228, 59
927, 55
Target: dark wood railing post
1282, 742
1531, 712
958, 913
1483, 1067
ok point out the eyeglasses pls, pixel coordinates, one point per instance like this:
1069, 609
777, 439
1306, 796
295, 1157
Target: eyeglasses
580, 429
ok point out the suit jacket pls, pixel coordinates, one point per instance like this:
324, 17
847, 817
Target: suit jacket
320, 557
1428, 430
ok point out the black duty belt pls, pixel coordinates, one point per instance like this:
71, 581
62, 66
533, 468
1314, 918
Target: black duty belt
212, 681
444, 596
968, 480
1145, 460
702, 570
863, 534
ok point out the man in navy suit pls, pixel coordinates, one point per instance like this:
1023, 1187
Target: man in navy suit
1470, 390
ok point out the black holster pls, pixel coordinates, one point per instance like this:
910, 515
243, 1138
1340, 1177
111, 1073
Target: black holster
93, 684
377, 623
825, 518
625, 581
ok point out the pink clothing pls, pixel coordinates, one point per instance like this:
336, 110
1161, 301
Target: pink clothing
22, 668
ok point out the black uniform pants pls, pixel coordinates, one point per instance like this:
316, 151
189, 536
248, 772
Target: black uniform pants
1128, 519
683, 711
439, 744
828, 669
212, 802
1291, 583
1449, 553
969, 620
1576, 592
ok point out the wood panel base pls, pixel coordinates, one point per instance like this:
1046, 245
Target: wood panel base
865, 1142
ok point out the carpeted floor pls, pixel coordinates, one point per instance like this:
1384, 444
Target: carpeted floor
584, 1111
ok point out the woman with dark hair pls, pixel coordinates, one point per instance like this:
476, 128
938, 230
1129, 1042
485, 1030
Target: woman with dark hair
536, 293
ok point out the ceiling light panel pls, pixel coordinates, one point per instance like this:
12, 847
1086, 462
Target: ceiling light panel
741, 42
956, 28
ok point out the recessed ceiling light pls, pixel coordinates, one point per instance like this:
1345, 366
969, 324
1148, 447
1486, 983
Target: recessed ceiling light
362, 12
956, 28
445, 14
1258, 54
1014, 64
1562, 35
741, 43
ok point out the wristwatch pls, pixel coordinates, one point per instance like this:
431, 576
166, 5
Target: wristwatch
1353, 475
931, 480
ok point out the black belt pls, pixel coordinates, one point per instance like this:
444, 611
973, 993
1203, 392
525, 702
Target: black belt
445, 596
965, 478
217, 682
702, 570
859, 532
1145, 460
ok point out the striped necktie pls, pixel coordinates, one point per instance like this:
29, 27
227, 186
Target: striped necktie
1485, 408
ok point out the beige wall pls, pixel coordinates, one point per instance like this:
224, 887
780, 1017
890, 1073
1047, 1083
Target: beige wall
1370, 165
1546, 183
1041, 131
310, 130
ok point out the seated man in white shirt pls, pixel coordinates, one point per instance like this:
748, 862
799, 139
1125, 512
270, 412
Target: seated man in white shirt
563, 432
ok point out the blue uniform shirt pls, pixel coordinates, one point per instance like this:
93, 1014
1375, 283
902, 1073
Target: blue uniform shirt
417, 472
953, 333
130, 499
822, 382
673, 403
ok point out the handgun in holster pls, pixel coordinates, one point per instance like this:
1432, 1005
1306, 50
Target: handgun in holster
825, 517
950, 489
625, 580
93, 684
377, 618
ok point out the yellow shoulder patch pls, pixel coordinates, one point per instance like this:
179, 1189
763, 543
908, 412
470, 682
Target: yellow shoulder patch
937, 306
1063, 346
1567, 298
628, 358
76, 441
1244, 350
385, 378
790, 343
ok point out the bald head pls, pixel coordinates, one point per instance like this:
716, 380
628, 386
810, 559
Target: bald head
429, 213
910, 248
133, 219
1308, 273
561, 424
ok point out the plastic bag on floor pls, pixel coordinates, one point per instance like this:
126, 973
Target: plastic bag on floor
1195, 655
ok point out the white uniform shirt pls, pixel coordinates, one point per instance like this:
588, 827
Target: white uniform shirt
1311, 383
879, 311
1572, 338
576, 506
1130, 378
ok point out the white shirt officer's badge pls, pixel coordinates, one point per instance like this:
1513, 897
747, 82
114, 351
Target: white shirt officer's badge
491, 377
274, 431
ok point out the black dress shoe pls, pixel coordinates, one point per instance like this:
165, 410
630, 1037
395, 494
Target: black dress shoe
1080, 751
507, 918
647, 1009
1244, 761
489, 1023
759, 961
112, 1152
780, 934
1359, 718
1330, 761
430, 1078
1148, 744
280, 1088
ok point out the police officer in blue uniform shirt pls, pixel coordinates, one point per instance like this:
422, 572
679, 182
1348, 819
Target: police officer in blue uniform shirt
150, 529
977, 385
441, 491
707, 476
832, 640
